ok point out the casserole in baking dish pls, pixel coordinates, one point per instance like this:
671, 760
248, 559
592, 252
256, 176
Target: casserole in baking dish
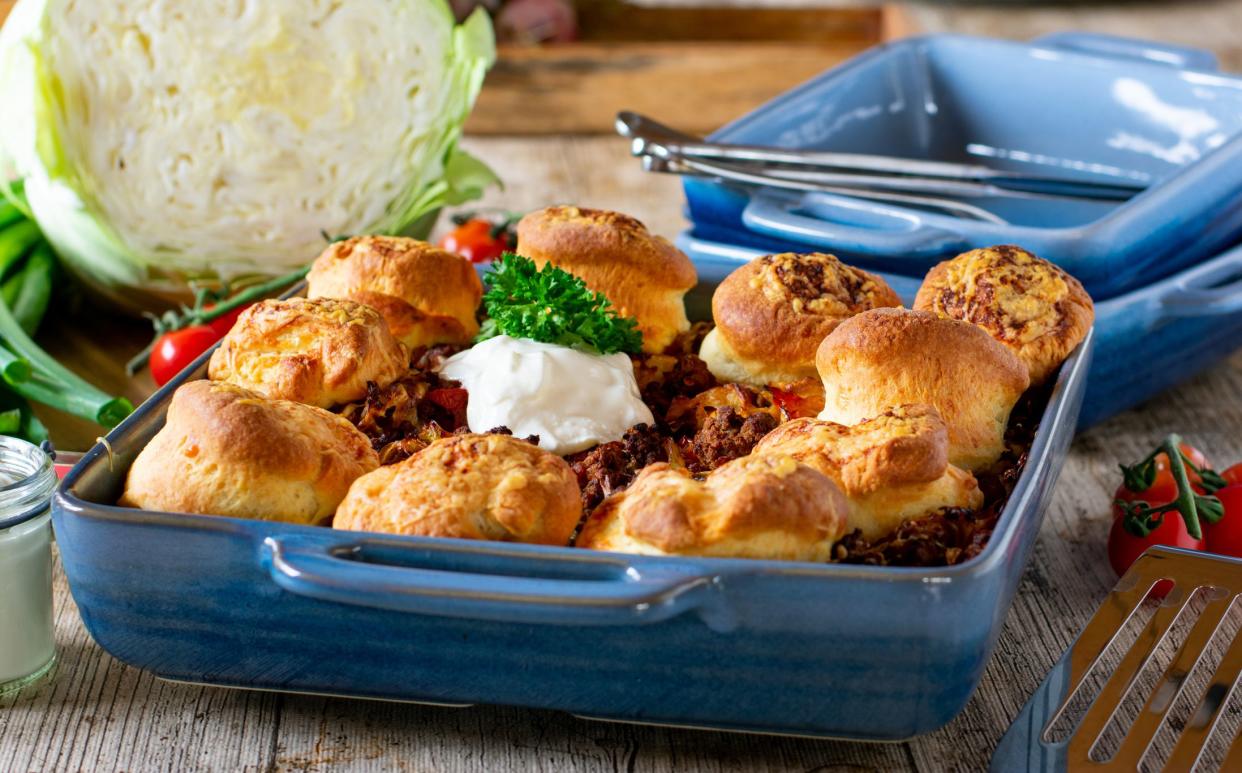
773, 646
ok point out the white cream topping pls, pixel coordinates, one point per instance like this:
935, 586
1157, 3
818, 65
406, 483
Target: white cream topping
570, 399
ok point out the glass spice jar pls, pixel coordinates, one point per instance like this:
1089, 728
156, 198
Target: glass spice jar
27, 646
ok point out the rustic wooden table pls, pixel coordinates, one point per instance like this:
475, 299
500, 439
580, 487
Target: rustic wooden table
98, 714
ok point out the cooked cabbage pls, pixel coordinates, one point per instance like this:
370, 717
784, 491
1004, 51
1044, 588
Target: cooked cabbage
169, 140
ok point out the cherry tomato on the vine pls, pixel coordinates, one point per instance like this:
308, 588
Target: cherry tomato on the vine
1124, 547
224, 323
174, 350
1233, 475
1164, 488
1225, 536
477, 241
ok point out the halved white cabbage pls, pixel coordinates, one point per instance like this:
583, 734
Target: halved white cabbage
166, 140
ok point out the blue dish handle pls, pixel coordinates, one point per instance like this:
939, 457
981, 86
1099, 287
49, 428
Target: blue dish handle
869, 228
1200, 294
595, 590
1117, 47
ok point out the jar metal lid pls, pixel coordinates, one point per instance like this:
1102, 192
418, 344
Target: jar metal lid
34, 479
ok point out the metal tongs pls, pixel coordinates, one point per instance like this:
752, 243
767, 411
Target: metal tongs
915, 182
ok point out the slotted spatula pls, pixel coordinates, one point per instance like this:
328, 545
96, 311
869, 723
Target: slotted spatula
1048, 734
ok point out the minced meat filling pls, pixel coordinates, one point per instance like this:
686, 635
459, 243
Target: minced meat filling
700, 425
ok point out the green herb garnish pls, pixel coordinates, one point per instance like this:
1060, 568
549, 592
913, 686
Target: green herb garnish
553, 306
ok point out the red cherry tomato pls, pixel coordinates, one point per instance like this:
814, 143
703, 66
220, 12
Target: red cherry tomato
1233, 475
1124, 547
453, 400
224, 323
476, 241
175, 350
1225, 536
1164, 488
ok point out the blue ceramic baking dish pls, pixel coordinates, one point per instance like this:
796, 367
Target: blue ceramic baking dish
815, 649
1146, 340
1067, 103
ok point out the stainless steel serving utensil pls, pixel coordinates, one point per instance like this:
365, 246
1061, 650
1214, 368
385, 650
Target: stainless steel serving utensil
661, 163
649, 137
1073, 722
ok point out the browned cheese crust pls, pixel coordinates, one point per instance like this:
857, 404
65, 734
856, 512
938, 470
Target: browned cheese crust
427, 295
225, 450
758, 506
892, 467
320, 352
1030, 305
772, 313
643, 275
885, 358
490, 487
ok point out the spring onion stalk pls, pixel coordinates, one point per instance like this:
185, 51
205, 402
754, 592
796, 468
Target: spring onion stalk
15, 241
13, 369
35, 291
108, 411
9, 214
30, 429
10, 422
56, 385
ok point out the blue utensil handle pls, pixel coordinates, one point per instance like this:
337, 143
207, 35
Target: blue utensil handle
1201, 292
596, 590
846, 224
1117, 47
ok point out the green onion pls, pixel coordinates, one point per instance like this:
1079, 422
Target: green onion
10, 422
9, 214
76, 395
13, 369
108, 411
31, 429
15, 242
36, 289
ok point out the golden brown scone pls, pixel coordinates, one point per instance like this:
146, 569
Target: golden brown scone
772, 313
643, 275
884, 358
759, 506
891, 468
1028, 304
319, 352
427, 295
225, 450
492, 487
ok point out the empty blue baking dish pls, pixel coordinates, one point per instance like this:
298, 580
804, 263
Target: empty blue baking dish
1067, 103
1180, 325
787, 647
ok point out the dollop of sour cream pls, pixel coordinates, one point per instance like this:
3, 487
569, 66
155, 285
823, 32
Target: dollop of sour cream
572, 400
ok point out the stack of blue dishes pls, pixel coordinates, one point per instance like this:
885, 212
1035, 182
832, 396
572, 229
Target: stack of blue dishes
1162, 266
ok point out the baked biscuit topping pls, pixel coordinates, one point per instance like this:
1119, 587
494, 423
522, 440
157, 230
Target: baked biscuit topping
492, 487
758, 506
1006, 290
1030, 305
903, 445
318, 351
816, 283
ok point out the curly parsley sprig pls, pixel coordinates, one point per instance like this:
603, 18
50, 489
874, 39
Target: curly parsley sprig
553, 306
